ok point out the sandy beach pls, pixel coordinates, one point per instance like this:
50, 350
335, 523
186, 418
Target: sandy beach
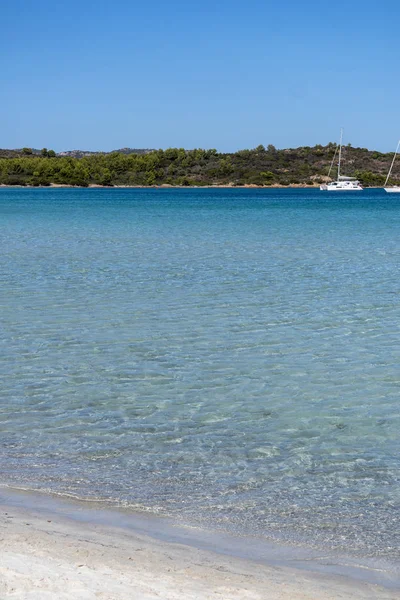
50, 556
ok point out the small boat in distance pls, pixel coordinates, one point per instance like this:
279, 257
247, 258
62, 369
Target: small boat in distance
394, 189
343, 183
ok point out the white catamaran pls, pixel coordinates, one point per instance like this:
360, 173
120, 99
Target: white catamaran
394, 189
343, 183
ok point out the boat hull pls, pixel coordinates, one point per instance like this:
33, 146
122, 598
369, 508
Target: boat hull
393, 190
327, 188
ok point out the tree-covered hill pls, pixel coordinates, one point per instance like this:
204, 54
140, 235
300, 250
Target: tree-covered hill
175, 166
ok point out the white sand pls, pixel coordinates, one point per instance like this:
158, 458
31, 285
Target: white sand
59, 558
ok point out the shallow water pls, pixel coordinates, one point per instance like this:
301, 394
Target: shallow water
225, 357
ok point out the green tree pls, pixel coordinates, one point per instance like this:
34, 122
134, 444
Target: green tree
150, 178
267, 177
225, 167
106, 177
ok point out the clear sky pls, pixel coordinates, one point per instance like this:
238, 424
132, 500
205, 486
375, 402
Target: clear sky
213, 74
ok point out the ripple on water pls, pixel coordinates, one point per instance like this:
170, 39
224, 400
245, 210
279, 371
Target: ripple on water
228, 357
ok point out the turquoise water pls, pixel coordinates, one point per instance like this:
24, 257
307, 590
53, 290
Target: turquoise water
226, 357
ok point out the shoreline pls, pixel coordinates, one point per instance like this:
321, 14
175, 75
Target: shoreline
165, 186
72, 549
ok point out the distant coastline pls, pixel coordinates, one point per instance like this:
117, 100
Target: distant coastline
162, 186
261, 167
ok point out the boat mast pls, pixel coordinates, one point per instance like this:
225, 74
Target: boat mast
391, 166
333, 161
340, 153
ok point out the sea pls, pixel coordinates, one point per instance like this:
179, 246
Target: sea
226, 358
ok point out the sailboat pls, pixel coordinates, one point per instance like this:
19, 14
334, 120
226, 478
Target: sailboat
394, 189
343, 183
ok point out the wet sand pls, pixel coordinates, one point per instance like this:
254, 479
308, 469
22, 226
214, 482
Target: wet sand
53, 556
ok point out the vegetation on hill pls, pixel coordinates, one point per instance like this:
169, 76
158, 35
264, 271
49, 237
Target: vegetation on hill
176, 166
73, 153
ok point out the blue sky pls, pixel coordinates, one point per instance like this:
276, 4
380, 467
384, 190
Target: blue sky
215, 74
